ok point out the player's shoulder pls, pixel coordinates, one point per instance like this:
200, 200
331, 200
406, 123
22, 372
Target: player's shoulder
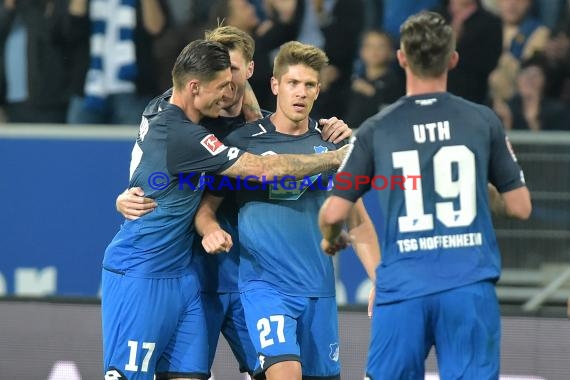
387, 115
314, 127
314, 136
157, 105
160, 112
472, 107
442, 103
476, 115
162, 118
385, 118
253, 129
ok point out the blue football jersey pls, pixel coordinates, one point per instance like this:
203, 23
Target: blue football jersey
168, 158
429, 158
278, 229
219, 273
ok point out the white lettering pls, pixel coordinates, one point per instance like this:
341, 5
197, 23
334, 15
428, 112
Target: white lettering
443, 132
431, 131
447, 241
407, 245
438, 131
35, 282
419, 133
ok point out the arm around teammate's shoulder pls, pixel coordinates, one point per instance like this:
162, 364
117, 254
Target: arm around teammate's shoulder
297, 165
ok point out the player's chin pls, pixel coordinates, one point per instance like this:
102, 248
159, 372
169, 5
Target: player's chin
214, 111
226, 102
299, 116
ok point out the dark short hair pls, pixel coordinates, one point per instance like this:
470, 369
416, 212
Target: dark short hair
201, 60
428, 43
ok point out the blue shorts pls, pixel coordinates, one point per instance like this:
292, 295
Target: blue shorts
153, 325
462, 323
225, 314
285, 328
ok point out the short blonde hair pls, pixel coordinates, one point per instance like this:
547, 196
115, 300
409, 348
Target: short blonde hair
296, 53
233, 38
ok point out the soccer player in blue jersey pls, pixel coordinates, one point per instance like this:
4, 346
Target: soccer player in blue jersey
218, 273
153, 319
287, 287
440, 259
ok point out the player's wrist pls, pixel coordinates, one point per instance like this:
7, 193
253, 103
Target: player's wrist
210, 229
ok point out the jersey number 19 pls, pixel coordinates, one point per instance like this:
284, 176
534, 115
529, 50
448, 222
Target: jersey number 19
446, 186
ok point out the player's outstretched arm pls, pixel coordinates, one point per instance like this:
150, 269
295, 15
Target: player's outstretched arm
132, 203
514, 203
365, 243
332, 217
296, 165
334, 130
364, 238
214, 238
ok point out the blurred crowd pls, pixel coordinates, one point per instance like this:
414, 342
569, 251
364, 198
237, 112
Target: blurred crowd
101, 61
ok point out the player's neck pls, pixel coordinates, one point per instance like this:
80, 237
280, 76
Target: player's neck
418, 86
191, 113
233, 110
287, 126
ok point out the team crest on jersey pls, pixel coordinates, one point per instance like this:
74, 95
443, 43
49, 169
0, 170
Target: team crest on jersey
333, 355
212, 144
320, 149
510, 148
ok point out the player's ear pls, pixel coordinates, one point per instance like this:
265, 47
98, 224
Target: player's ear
453, 60
274, 86
194, 87
401, 58
249, 71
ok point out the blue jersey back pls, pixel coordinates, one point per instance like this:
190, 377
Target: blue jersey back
168, 158
429, 159
278, 229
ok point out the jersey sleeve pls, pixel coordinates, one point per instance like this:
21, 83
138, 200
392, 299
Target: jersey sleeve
238, 138
504, 171
192, 148
223, 186
353, 177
